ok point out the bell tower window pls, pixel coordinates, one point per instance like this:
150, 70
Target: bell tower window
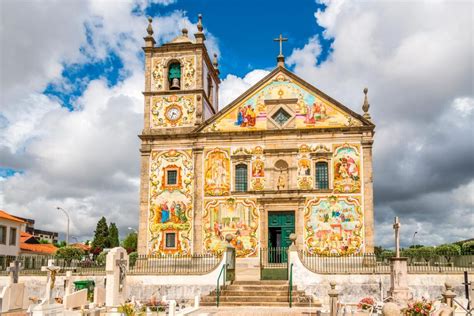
174, 76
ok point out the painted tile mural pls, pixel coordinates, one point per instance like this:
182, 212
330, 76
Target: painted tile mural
172, 111
346, 168
304, 179
217, 172
311, 110
170, 202
334, 225
238, 217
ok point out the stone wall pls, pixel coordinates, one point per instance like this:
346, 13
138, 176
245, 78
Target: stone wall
354, 287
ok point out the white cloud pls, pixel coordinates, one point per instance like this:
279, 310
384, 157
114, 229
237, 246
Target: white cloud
232, 86
85, 160
419, 75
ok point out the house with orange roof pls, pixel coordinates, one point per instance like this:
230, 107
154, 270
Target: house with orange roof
30, 245
10, 228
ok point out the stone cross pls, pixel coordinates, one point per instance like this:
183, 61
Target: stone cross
52, 271
67, 283
14, 270
280, 39
396, 227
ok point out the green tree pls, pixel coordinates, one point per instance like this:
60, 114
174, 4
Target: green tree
113, 236
68, 254
101, 237
130, 242
60, 244
426, 252
44, 241
468, 248
448, 251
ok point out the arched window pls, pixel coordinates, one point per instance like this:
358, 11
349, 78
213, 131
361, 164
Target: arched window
322, 178
174, 76
241, 177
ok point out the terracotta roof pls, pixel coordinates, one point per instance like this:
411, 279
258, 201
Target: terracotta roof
7, 216
24, 236
81, 246
47, 249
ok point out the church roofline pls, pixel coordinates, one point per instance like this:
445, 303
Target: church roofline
256, 86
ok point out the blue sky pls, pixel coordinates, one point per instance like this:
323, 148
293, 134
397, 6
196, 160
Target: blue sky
71, 104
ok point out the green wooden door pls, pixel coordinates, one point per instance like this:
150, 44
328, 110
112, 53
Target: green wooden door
280, 226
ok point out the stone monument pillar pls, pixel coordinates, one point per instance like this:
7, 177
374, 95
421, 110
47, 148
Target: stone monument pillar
399, 290
333, 299
116, 267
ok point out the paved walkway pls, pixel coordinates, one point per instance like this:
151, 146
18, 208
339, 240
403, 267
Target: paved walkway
254, 311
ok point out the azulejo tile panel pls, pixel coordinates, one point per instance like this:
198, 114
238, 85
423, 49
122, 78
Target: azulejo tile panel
236, 216
171, 202
334, 225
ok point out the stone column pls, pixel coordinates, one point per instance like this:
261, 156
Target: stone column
144, 188
399, 290
368, 193
333, 299
449, 295
116, 267
198, 202
67, 283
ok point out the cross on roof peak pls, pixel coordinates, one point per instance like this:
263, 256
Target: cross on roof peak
280, 39
281, 58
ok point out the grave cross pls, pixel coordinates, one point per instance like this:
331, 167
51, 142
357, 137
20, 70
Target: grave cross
280, 39
52, 271
396, 227
14, 270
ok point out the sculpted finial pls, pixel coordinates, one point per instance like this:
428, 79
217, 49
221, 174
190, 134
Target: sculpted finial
185, 32
199, 25
366, 105
149, 29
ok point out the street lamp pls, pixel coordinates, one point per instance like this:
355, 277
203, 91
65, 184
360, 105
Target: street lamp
67, 232
413, 239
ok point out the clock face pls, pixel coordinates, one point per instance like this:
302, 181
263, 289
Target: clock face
173, 113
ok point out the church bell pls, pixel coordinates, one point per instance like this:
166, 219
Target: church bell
175, 84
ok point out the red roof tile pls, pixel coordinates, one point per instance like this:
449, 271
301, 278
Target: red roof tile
7, 216
47, 249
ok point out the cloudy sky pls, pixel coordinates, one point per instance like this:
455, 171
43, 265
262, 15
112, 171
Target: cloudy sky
71, 104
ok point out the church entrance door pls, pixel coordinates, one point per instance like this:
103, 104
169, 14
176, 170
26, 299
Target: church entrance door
274, 258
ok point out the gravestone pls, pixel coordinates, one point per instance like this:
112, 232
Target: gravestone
399, 291
13, 295
48, 306
116, 268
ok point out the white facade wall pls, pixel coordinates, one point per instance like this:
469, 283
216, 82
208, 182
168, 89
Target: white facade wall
6, 248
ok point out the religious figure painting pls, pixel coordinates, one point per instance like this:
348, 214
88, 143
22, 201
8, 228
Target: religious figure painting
333, 225
170, 207
258, 169
347, 169
246, 116
311, 110
217, 172
237, 217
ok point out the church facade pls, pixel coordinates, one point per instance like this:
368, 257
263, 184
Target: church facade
282, 158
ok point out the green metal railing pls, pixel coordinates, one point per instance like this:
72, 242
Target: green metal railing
290, 287
218, 292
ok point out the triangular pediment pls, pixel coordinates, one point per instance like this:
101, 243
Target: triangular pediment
282, 100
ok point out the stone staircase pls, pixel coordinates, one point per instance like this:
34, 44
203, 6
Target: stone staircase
259, 293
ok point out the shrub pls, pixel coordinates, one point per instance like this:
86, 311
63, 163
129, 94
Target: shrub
101, 258
448, 251
426, 252
68, 254
132, 258
468, 248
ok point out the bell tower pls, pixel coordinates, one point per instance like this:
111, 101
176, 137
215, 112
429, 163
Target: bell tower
181, 83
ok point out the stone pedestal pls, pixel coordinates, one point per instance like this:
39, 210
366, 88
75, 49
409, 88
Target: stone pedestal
399, 290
